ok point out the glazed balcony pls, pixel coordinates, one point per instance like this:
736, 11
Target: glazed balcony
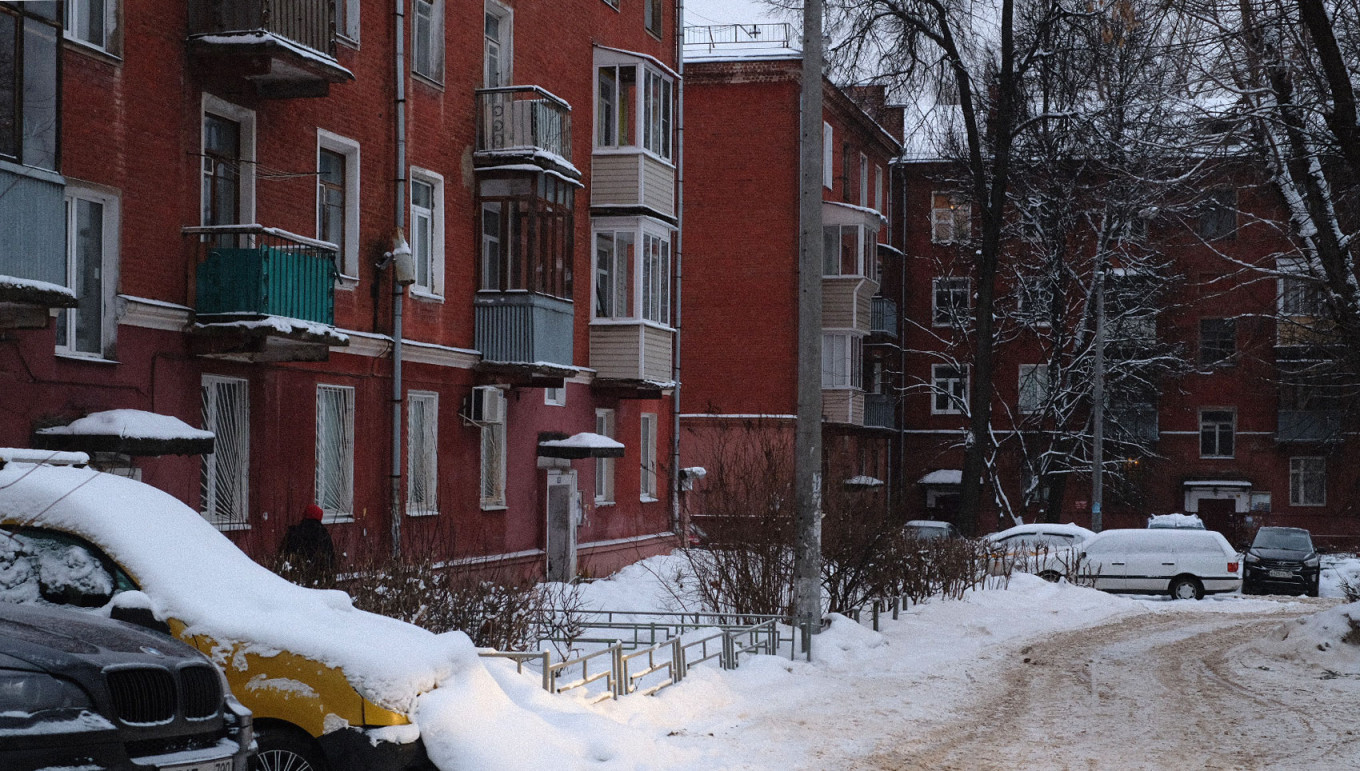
517, 124
1308, 426
525, 338
33, 259
263, 294
285, 48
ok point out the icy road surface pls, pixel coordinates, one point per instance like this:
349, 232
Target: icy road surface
1187, 688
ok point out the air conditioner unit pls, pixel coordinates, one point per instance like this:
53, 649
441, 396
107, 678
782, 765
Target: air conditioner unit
488, 405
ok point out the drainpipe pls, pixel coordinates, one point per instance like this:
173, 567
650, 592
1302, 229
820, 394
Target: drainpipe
398, 288
678, 523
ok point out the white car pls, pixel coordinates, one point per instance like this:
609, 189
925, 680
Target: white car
1047, 550
1186, 564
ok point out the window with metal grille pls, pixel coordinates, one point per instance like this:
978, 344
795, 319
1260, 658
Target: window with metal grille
225, 470
335, 452
492, 420
422, 453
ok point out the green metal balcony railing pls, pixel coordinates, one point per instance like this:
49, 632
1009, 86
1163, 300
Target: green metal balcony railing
251, 270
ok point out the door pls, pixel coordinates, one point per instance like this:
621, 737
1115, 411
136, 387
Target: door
561, 532
1150, 561
1220, 514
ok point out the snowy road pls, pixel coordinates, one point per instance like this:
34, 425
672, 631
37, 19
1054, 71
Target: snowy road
1187, 688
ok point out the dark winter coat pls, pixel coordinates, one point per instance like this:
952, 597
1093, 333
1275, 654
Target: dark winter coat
308, 545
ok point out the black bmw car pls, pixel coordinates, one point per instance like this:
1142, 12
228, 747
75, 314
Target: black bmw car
1281, 560
78, 691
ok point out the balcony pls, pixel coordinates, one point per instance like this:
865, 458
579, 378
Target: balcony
263, 294
631, 357
285, 48
878, 411
1132, 423
517, 124
32, 247
1308, 426
883, 318
843, 405
525, 338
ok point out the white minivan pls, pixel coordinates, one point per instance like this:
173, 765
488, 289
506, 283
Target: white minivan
1186, 564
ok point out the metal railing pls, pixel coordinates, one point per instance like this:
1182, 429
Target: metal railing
779, 35
309, 23
523, 118
1308, 426
878, 411
252, 270
883, 317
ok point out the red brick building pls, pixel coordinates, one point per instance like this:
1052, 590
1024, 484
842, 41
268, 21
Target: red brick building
231, 189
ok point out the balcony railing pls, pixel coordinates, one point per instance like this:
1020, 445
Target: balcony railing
1132, 423
878, 411
521, 120
737, 36
309, 23
250, 271
523, 328
883, 317
1308, 426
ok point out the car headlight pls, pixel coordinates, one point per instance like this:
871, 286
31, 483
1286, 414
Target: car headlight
32, 692
1250, 559
1312, 561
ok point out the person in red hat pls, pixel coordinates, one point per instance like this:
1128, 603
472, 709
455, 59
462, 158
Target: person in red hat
307, 546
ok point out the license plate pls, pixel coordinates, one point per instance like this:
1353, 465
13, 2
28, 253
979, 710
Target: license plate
223, 764
1281, 574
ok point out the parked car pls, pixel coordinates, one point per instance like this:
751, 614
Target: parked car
330, 686
929, 528
1046, 550
1186, 564
1175, 522
1281, 560
78, 691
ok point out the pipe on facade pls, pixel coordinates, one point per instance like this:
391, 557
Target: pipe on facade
678, 523
398, 289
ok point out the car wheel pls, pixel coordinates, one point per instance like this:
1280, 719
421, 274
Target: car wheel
1051, 576
1186, 588
282, 749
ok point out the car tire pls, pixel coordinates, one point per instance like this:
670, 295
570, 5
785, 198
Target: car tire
1186, 588
286, 749
1051, 576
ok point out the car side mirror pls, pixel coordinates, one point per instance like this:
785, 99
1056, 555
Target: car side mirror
134, 612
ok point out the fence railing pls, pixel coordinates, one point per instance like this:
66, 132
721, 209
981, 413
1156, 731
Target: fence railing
252, 270
713, 36
883, 317
523, 118
310, 23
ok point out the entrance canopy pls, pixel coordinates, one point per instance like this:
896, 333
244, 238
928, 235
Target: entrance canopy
129, 432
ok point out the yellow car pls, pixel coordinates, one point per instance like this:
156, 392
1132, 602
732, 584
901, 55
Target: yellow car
331, 687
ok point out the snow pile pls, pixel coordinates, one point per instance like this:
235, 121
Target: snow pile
1329, 640
129, 423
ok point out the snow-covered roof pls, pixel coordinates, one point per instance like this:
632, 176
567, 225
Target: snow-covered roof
944, 476
582, 445
1217, 483
52, 457
135, 432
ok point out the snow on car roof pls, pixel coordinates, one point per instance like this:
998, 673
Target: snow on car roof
1072, 529
193, 573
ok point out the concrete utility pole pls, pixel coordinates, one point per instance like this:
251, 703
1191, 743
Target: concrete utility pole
807, 556
1098, 404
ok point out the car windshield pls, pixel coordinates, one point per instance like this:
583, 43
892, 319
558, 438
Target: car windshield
926, 531
1293, 540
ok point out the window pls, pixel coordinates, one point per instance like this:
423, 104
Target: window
951, 301
618, 122
335, 452
828, 145
878, 189
1307, 481
228, 194
1130, 315
633, 283
863, 180
225, 471
949, 389
489, 408
91, 272
1217, 341
1216, 429
845, 172
842, 360
1034, 299
1218, 214
647, 484
604, 467
496, 46
1301, 296
951, 218
1033, 387
337, 198
651, 16
422, 453
848, 250
427, 231
556, 397
427, 39
528, 233
347, 20
30, 100
94, 23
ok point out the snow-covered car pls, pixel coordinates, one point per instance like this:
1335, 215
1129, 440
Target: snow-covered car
1281, 559
82, 692
1186, 564
330, 686
1046, 550
1175, 522
929, 528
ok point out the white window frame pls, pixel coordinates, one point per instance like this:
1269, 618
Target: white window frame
347, 22
604, 467
343, 451
653, 137
245, 118
828, 156
950, 224
555, 397
77, 25
1298, 470
865, 246
111, 202
435, 289
1032, 388
505, 42
210, 481
1217, 442
435, 40
842, 360
647, 478
349, 150
948, 389
422, 452
953, 285
492, 453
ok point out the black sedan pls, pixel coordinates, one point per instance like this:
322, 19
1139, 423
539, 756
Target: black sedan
1281, 560
81, 691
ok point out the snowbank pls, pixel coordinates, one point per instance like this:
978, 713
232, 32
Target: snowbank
1329, 640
